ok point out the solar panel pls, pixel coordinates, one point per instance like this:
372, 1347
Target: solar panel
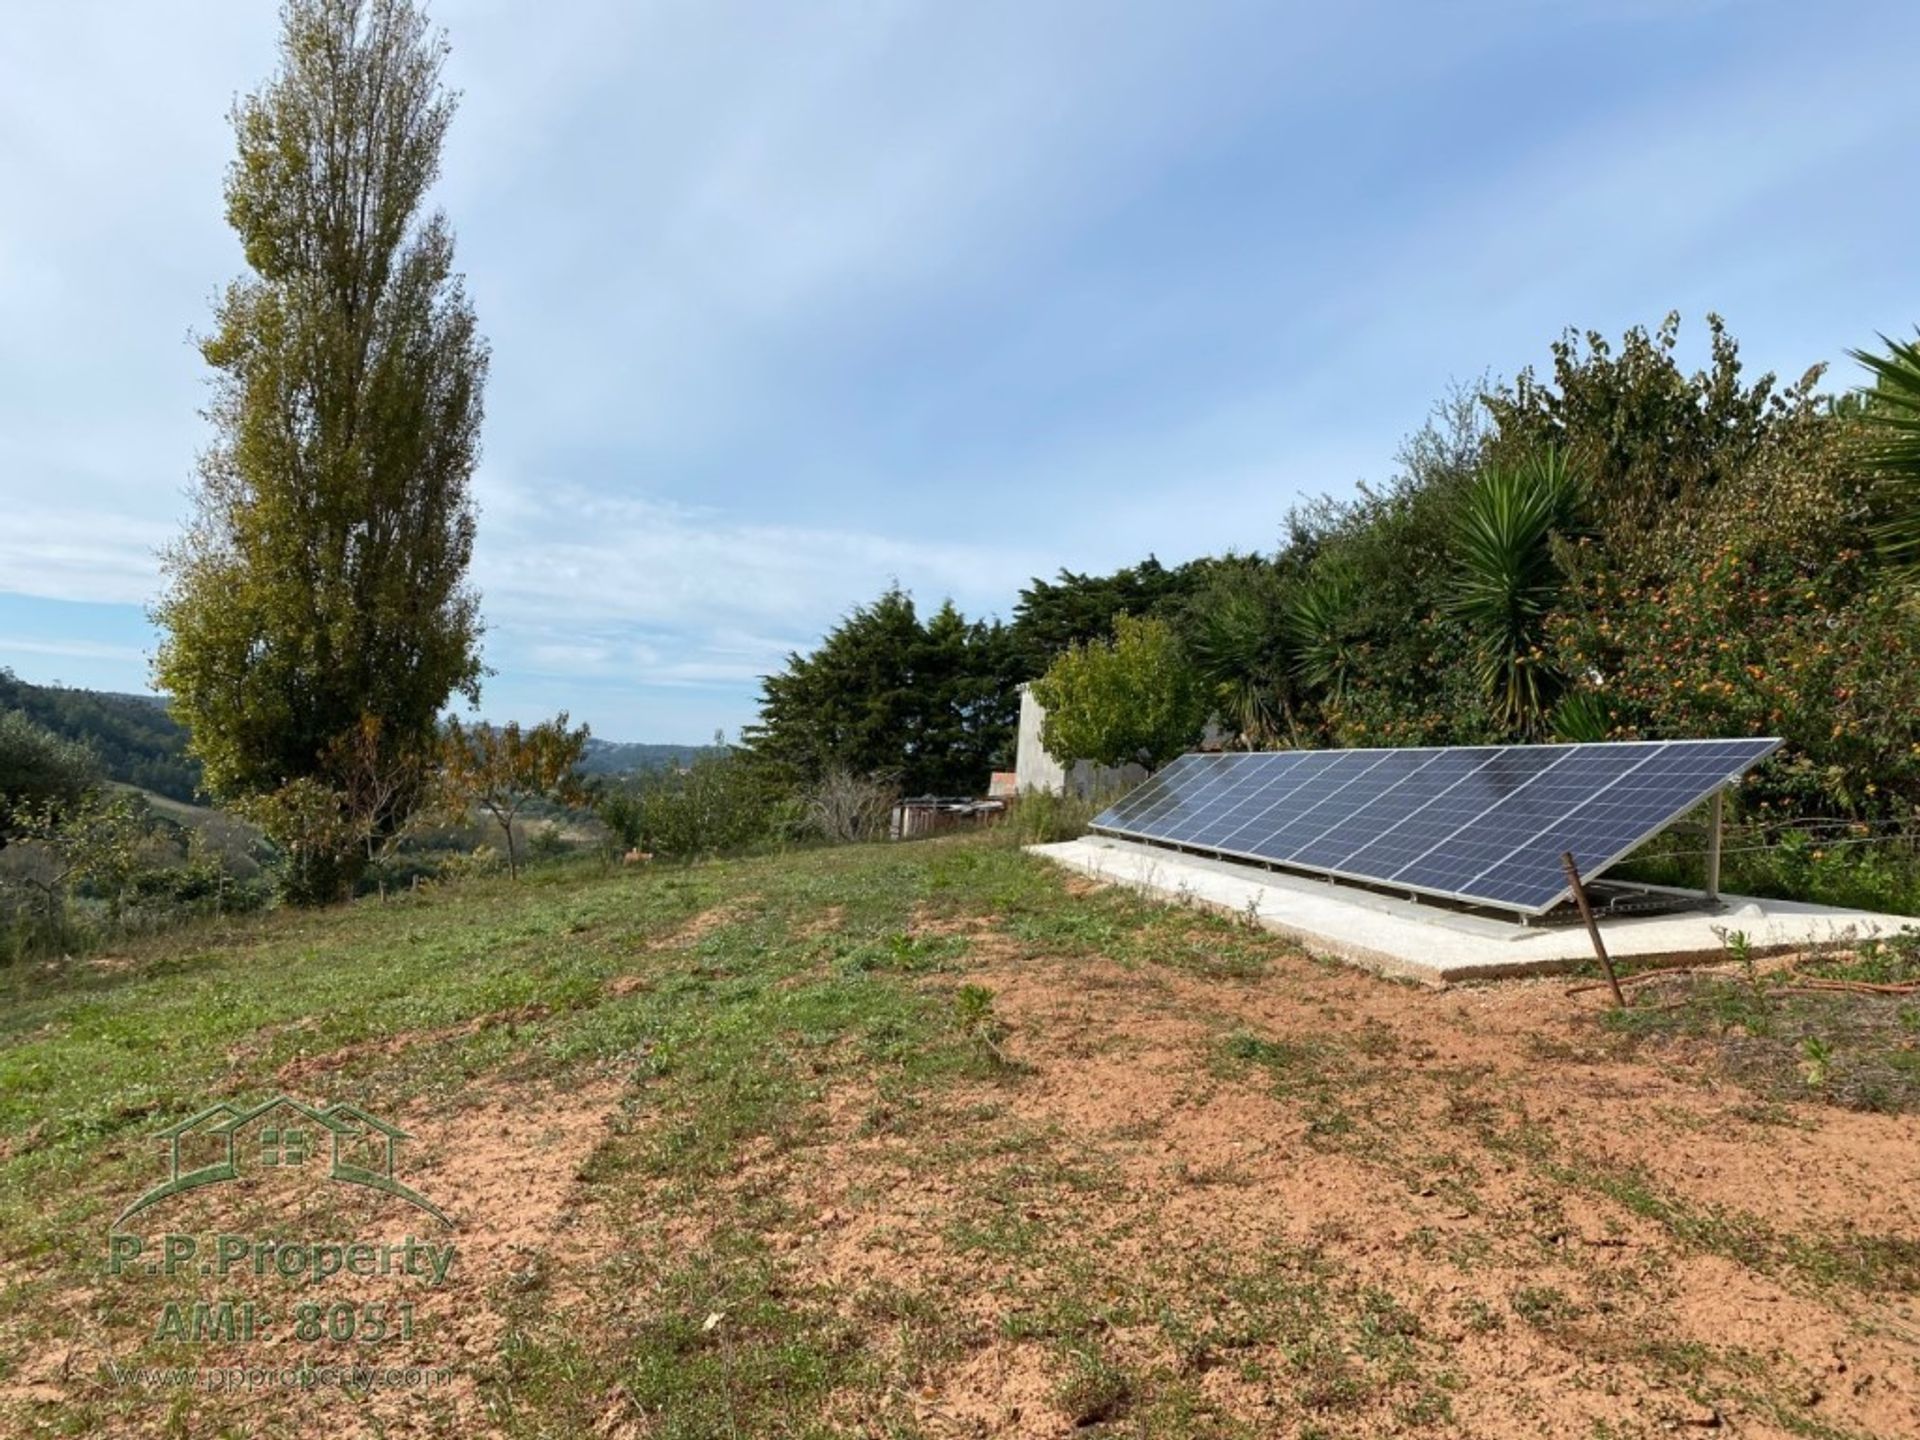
1482, 824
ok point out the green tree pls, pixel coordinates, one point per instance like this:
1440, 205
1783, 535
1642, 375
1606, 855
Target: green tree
1324, 624
1132, 699
1509, 580
41, 776
1236, 636
1892, 447
1051, 615
722, 802
322, 581
503, 769
93, 839
1647, 438
1376, 658
930, 705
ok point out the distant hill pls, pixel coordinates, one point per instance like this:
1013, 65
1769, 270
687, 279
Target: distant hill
137, 741
614, 757
140, 744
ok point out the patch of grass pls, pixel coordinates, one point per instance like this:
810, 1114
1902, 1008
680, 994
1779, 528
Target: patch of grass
1871, 1264
1858, 1051
1124, 927
1544, 1307
1093, 1390
723, 1346
1319, 1074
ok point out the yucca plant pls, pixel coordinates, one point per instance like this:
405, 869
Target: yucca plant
1239, 656
1893, 447
1581, 718
1508, 579
1319, 626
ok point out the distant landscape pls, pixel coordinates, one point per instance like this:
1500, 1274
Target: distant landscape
140, 744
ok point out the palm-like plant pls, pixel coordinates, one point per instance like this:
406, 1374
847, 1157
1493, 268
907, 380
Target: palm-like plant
1234, 647
1893, 447
1508, 580
1581, 718
1319, 627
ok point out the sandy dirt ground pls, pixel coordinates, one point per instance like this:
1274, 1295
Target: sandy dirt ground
1554, 1308
1536, 1230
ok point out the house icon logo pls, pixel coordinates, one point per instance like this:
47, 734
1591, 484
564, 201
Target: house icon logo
211, 1147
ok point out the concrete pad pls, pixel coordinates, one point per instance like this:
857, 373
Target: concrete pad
1435, 944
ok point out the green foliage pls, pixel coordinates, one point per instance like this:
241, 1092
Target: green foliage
1761, 605
930, 705
1508, 581
1892, 447
1323, 622
1581, 718
1051, 616
503, 768
135, 738
1236, 637
1377, 660
1132, 700
41, 775
90, 870
322, 582
317, 842
1041, 817
980, 1024
1646, 438
1856, 866
721, 804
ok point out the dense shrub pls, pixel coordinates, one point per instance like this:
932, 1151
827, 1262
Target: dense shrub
1134, 699
724, 801
106, 868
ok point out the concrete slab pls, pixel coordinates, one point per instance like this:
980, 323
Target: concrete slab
1431, 943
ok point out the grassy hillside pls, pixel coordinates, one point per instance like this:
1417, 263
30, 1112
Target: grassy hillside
929, 1140
137, 741
140, 744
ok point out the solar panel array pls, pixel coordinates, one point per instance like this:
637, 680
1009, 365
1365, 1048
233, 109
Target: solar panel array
1482, 824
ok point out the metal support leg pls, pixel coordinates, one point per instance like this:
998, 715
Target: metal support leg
1714, 818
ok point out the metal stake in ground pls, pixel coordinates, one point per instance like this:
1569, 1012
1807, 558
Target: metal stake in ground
1593, 929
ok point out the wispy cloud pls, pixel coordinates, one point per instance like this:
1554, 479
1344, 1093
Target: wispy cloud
790, 302
78, 552
71, 649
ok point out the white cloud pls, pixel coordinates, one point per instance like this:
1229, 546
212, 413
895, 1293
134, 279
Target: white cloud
580, 581
800, 300
77, 552
73, 649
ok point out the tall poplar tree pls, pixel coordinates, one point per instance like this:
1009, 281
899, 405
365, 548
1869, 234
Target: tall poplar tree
320, 590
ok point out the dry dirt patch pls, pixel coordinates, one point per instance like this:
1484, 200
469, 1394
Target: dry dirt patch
505, 1166
1427, 1148
702, 925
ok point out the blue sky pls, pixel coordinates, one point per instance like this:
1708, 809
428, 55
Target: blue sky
791, 301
